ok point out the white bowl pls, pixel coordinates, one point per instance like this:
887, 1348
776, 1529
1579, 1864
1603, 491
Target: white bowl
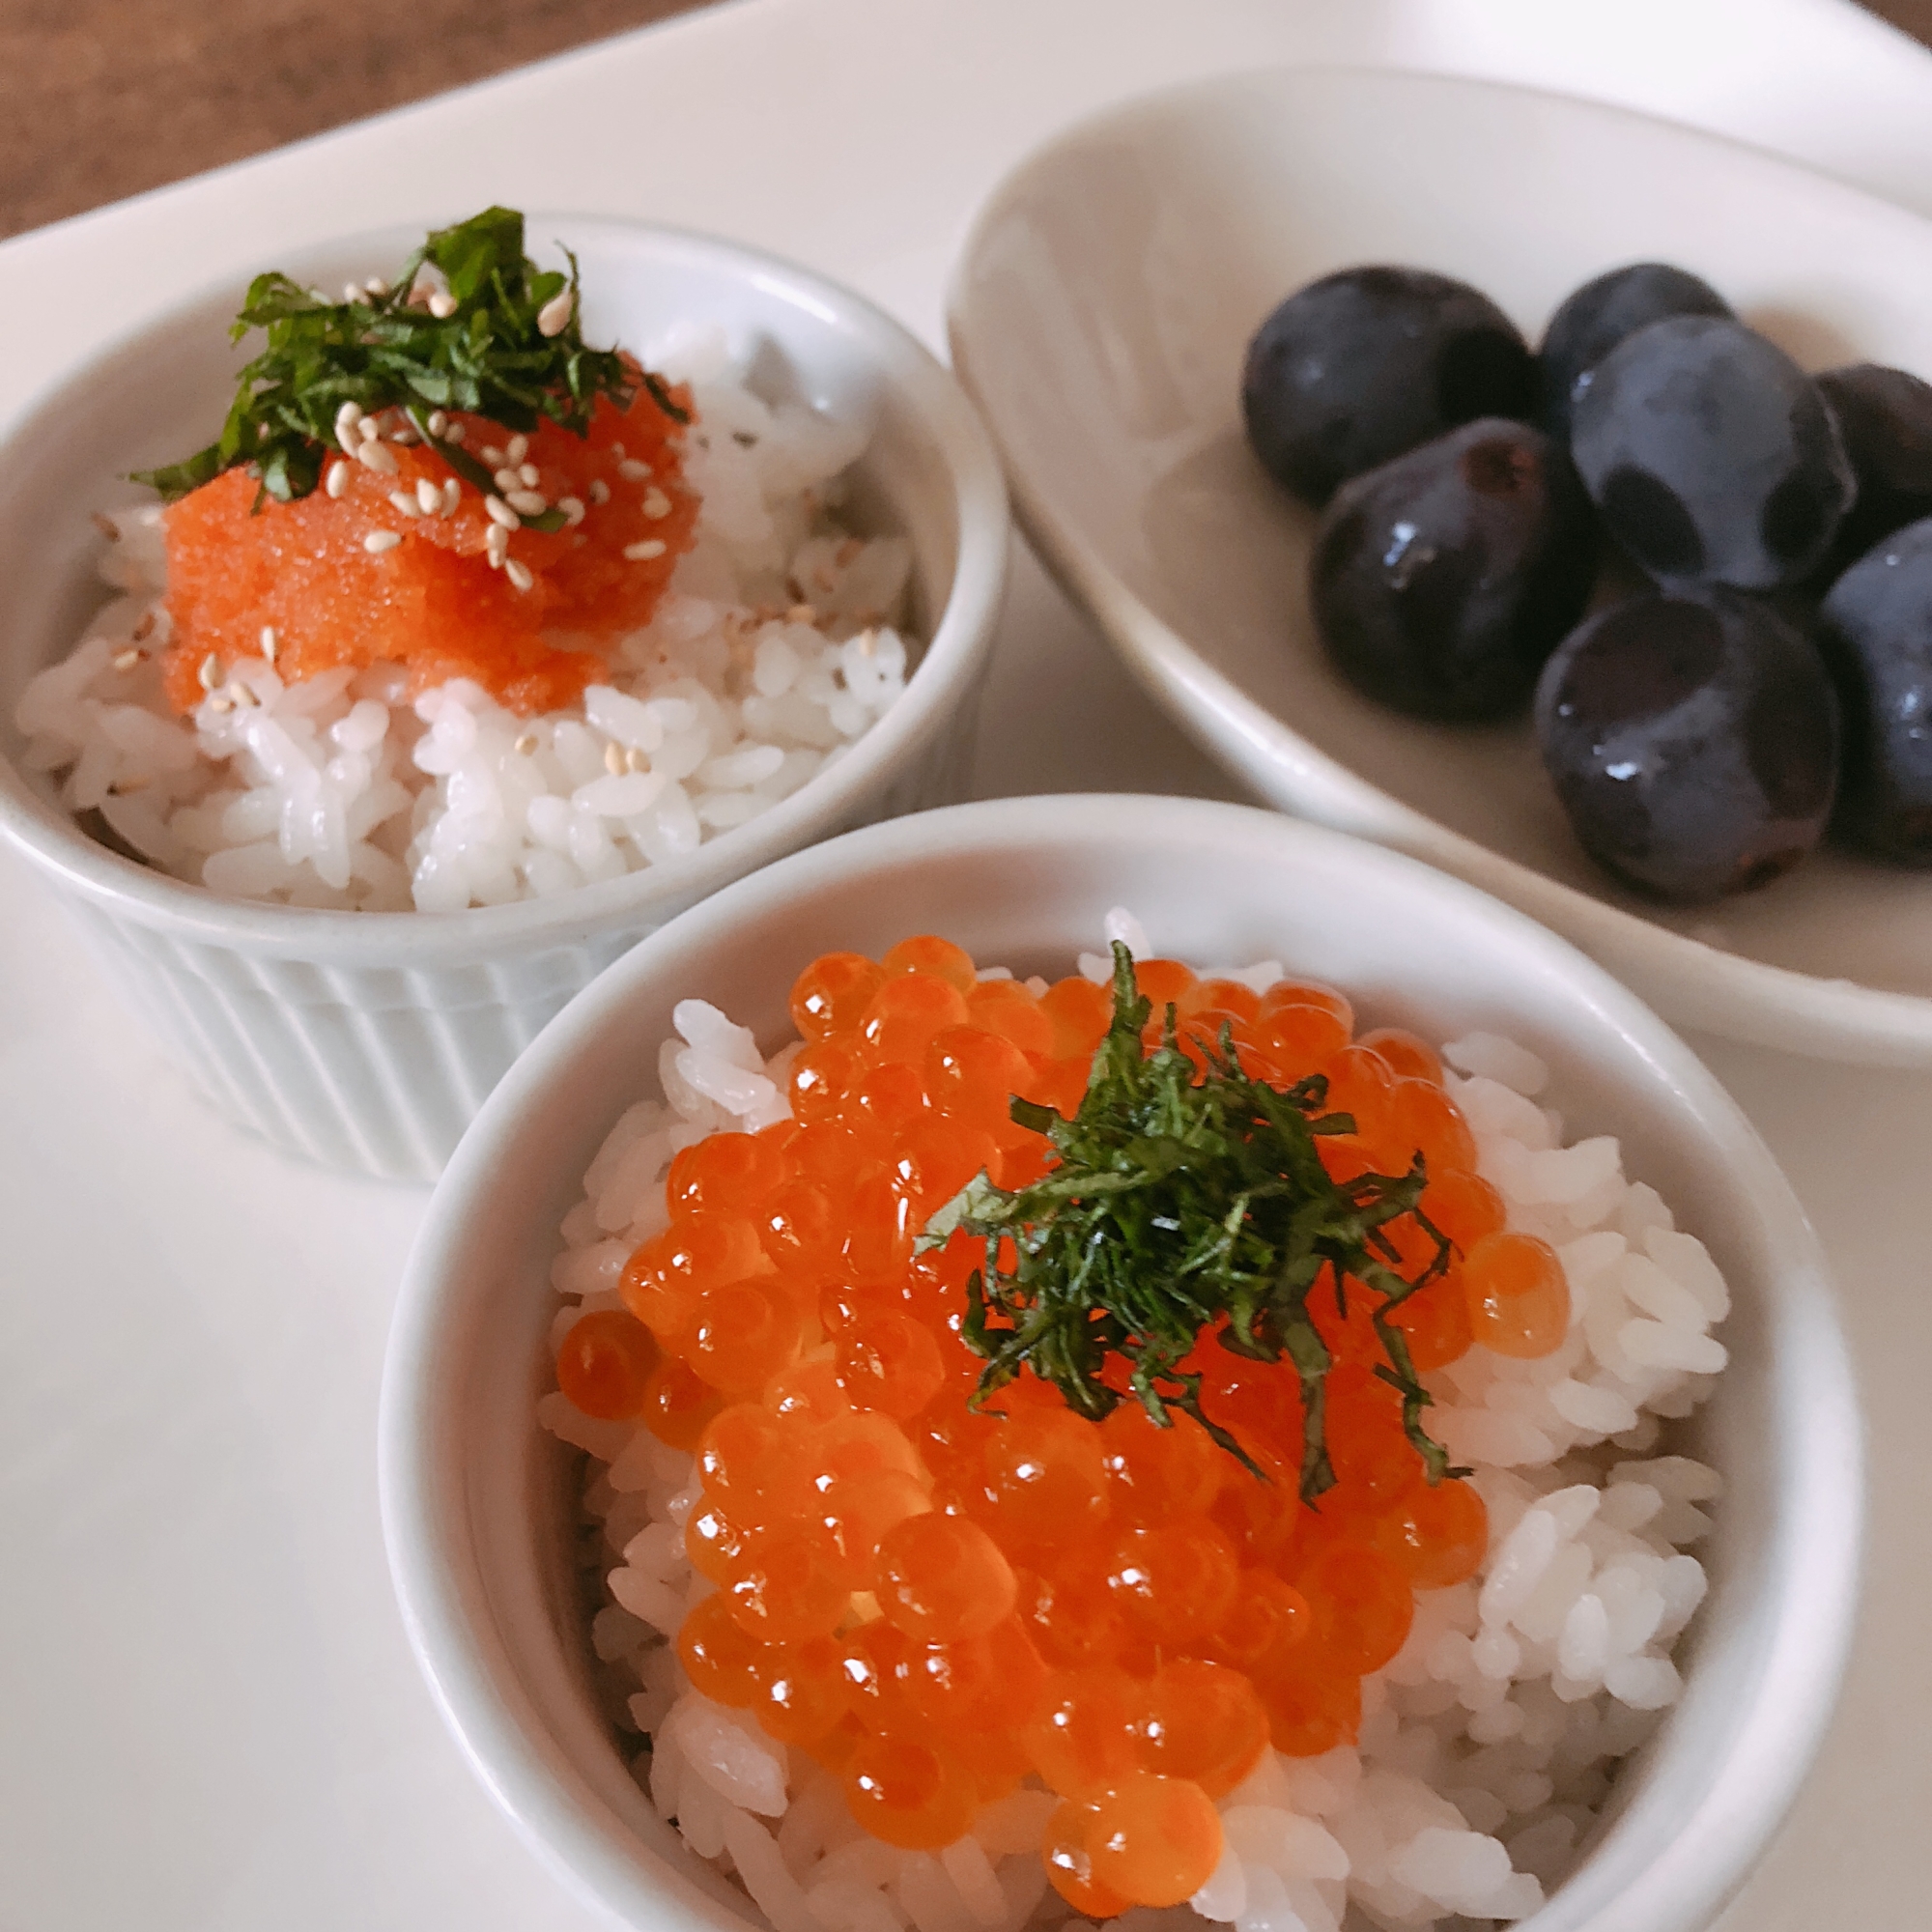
367, 1041
478, 1504
1100, 314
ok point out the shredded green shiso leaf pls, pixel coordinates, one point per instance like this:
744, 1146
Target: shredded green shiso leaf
1177, 1210
503, 352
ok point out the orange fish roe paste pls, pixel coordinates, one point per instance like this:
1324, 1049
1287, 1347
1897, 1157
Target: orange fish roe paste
391, 564
937, 1603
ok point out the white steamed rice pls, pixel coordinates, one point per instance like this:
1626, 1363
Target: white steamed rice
1486, 1746
777, 644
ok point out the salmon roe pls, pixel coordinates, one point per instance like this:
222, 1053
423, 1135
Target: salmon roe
935, 1603
1518, 1301
427, 596
605, 1364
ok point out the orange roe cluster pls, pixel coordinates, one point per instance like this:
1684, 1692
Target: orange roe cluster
936, 1603
532, 632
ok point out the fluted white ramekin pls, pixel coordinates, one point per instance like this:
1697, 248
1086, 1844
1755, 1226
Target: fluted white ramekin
368, 1040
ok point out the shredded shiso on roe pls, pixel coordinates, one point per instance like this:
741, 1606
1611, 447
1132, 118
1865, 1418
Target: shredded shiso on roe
1186, 1200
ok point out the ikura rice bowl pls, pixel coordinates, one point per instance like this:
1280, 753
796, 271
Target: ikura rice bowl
894, 1662
393, 694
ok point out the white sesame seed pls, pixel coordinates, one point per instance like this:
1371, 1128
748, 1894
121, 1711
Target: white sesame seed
107, 525
455, 432
404, 434
519, 573
617, 449
614, 760
120, 787
633, 471
501, 513
210, 673
368, 428
505, 478
126, 660
497, 545
637, 760
429, 499
221, 701
656, 503
573, 508
443, 305
146, 627
869, 643
350, 292
529, 502
378, 541
520, 447
600, 490
346, 419
452, 496
240, 694
643, 552
403, 503
270, 643
376, 286
526, 744
376, 456
338, 479
492, 455
529, 476
554, 318
439, 423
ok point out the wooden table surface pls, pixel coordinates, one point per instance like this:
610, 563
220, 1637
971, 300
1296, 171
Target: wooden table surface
102, 98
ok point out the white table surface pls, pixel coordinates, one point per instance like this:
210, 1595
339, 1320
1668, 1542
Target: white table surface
209, 1720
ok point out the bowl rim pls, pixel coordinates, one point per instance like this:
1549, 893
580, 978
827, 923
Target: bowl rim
1805, 1636
959, 640
1693, 984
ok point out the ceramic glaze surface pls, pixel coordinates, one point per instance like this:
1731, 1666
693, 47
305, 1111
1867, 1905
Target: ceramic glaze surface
1100, 314
476, 1500
366, 1041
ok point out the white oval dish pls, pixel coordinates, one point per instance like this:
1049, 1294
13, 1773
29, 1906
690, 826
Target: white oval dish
1100, 314
479, 1505
367, 1041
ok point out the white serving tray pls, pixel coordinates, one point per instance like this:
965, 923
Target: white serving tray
209, 1719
